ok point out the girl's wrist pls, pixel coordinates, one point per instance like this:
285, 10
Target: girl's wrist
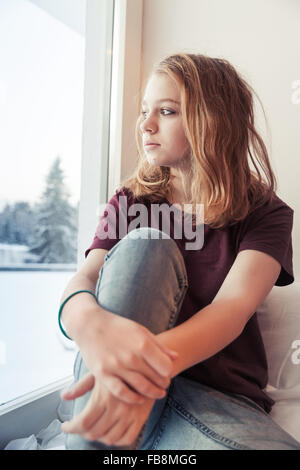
87, 322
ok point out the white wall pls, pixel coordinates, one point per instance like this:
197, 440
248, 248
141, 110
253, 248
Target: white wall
261, 38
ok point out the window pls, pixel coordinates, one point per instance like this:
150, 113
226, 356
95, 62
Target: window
43, 109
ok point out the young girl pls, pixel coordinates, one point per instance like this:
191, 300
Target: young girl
171, 355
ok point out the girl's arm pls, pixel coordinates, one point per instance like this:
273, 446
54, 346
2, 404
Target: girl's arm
210, 330
78, 308
121, 353
249, 281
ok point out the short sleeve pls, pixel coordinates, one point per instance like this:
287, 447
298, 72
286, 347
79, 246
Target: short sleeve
269, 229
113, 223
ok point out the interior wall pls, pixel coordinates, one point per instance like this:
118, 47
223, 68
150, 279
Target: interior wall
261, 38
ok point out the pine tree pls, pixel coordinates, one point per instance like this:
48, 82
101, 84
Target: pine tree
56, 234
6, 225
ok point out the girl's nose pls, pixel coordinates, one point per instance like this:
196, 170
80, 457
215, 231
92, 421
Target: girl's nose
148, 125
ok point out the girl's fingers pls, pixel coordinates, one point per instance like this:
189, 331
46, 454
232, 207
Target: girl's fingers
119, 435
152, 376
85, 420
120, 389
170, 352
125, 437
102, 427
156, 357
173, 354
80, 388
144, 385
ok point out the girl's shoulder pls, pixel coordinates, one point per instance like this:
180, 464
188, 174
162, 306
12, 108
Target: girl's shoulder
274, 208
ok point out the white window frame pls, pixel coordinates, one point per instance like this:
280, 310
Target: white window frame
108, 146
120, 152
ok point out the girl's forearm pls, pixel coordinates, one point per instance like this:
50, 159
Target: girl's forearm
79, 309
207, 332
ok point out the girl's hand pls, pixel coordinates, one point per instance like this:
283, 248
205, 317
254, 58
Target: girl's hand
126, 357
106, 418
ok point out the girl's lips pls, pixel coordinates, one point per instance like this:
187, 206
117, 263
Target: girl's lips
150, 147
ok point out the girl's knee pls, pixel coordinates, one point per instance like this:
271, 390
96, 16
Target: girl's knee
152, 238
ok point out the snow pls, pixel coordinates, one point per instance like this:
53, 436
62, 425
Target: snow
12, 254
6, 246
34, 353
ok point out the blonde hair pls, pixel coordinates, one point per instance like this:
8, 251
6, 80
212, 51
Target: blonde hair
218, 118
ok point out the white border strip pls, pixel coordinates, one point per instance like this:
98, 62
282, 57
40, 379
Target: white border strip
36, 394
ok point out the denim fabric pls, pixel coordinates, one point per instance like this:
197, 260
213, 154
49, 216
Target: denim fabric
145, 280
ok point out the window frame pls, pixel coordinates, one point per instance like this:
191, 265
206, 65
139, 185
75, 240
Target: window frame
109, 155
103, 162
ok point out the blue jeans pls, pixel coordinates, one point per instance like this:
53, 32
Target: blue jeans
145, 280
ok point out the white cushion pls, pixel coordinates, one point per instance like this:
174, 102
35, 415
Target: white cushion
279, 320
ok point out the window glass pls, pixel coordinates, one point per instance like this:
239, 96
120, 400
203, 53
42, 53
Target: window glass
42, 49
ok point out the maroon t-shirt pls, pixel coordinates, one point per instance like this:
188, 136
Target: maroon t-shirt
241, 367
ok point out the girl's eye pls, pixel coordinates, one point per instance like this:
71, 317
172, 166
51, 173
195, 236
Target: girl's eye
165, 112
168, 111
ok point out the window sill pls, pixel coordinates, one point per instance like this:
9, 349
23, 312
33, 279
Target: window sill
30, 413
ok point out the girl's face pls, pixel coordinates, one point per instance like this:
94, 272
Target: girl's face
162, 124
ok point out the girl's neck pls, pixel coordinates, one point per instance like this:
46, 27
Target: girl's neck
176, 194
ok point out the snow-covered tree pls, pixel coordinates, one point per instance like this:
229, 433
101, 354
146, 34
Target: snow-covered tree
55, 237
5, 225
17, 222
